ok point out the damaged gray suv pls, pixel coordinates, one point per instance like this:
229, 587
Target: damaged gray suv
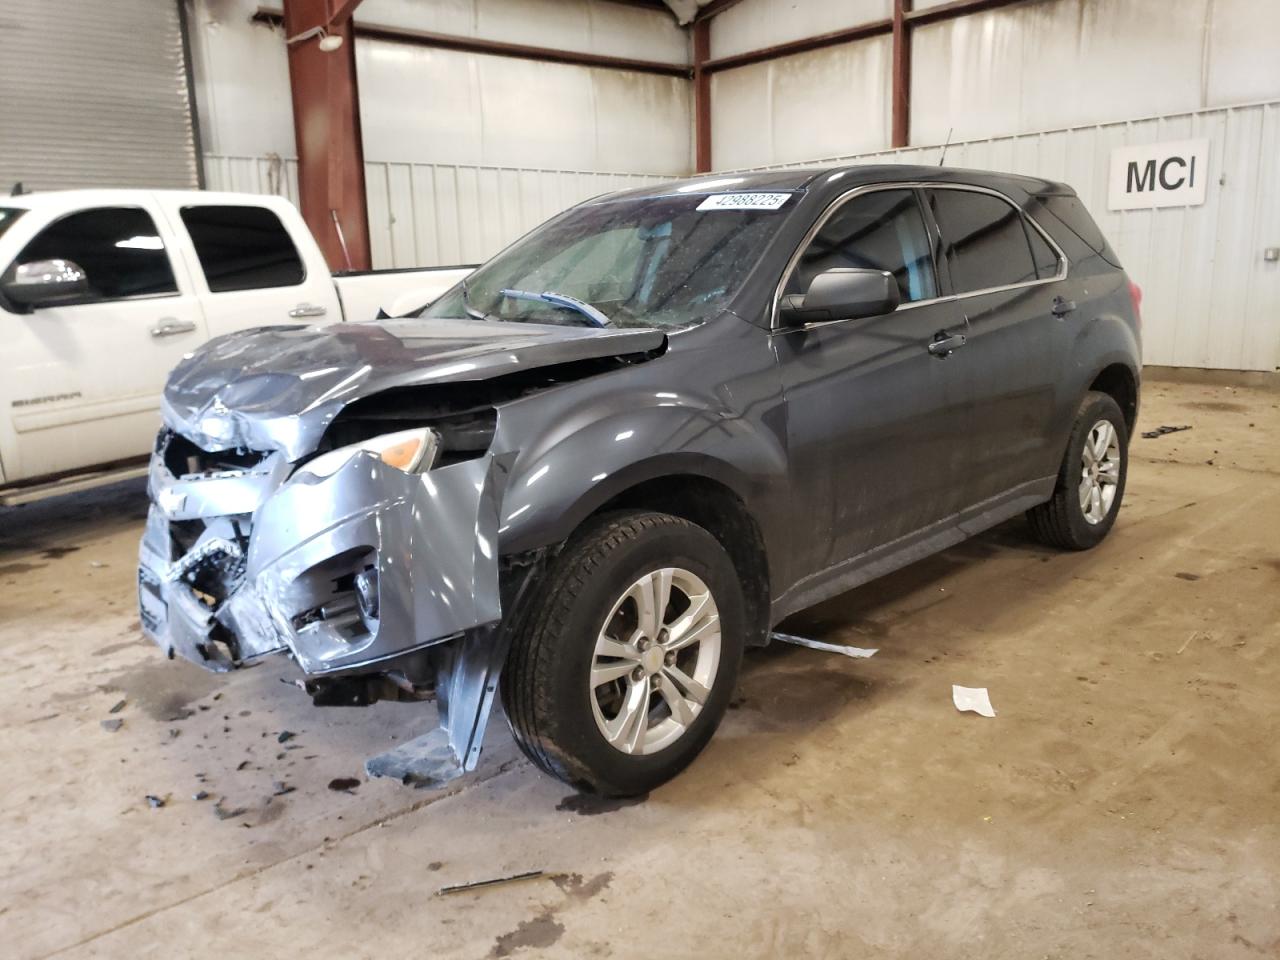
632, 443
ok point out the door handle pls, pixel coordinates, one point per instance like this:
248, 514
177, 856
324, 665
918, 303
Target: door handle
944, 344
1062, 306
168, 327
307, 310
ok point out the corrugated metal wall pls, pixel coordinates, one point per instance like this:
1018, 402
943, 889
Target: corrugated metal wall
1211, 300
94, 95
431, 214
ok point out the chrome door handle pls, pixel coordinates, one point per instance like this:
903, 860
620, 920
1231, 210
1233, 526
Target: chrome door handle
944, 344
307, 310
169, 327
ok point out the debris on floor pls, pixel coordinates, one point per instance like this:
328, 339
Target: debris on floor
118, 706
975, 699
477, 884
285, 736
426, 762
222, 813
200, 795
345, 784
112, 725
155, 802
857, 652
1162, 430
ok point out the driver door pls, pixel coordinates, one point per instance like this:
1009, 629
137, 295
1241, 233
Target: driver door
82, 381
875, 420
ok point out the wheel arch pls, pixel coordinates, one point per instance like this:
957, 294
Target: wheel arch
1120, 382
695, 487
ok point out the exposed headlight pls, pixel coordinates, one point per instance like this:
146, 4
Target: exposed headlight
410, 451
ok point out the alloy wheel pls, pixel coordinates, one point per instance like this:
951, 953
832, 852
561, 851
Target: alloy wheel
655, 661
1099, 471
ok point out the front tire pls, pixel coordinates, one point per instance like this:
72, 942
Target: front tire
626, 661
1090, 486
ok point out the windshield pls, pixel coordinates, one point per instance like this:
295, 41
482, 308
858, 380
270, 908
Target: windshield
8, 216
661, 262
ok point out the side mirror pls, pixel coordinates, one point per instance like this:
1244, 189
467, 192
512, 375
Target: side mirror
43, 283
842, 293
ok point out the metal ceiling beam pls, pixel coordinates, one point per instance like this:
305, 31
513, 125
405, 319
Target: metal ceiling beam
326, 125
873, 29
956, 8
499, 48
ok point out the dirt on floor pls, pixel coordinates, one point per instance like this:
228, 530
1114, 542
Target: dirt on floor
1124, 802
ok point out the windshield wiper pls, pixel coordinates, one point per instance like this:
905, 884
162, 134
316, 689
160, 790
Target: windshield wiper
563, 301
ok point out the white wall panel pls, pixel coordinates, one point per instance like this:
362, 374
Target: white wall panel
1056, 63
242, 80
587, 26
426, 214
1210, 300
756, 24
829, 101
1243, 62
444, 106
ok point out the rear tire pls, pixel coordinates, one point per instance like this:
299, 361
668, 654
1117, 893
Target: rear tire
590, 619
1090, 486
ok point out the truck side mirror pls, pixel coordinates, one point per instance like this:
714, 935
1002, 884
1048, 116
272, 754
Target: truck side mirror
44, 283
842, 293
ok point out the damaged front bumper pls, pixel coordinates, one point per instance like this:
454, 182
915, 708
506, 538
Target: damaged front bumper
351, 574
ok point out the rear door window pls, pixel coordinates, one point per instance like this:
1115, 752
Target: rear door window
119, 249
242, 247
881, 230
987, 243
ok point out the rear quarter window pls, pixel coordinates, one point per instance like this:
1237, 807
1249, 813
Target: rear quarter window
242, 248
1065, 216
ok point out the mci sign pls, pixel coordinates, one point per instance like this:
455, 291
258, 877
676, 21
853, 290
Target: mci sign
1159, 175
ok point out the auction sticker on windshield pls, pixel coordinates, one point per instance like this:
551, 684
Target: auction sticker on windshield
744, 201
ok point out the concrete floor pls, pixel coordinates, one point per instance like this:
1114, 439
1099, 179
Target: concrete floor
1124, 803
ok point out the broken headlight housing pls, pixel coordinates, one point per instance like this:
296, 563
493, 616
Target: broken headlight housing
409, 451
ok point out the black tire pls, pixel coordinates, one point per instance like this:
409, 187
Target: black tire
545, 683
1061, 521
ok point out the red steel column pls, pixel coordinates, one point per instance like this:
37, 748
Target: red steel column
326, 123
901, 74
701, 95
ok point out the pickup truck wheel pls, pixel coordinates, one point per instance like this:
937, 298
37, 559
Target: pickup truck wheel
1091, 479
624, 665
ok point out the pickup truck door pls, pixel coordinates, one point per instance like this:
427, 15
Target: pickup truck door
80, 384
875, 413
248, 268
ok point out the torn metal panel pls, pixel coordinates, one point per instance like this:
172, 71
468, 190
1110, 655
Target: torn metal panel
467, 680
855, 652
284, 573
279, 388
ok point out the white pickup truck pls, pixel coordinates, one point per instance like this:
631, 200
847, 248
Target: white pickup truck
102, 292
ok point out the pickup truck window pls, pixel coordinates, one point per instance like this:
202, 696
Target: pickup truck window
8, 217
987, 243
658, 261
242, 247
119, 249
881, 230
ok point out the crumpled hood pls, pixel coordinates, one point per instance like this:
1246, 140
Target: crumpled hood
281, 387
